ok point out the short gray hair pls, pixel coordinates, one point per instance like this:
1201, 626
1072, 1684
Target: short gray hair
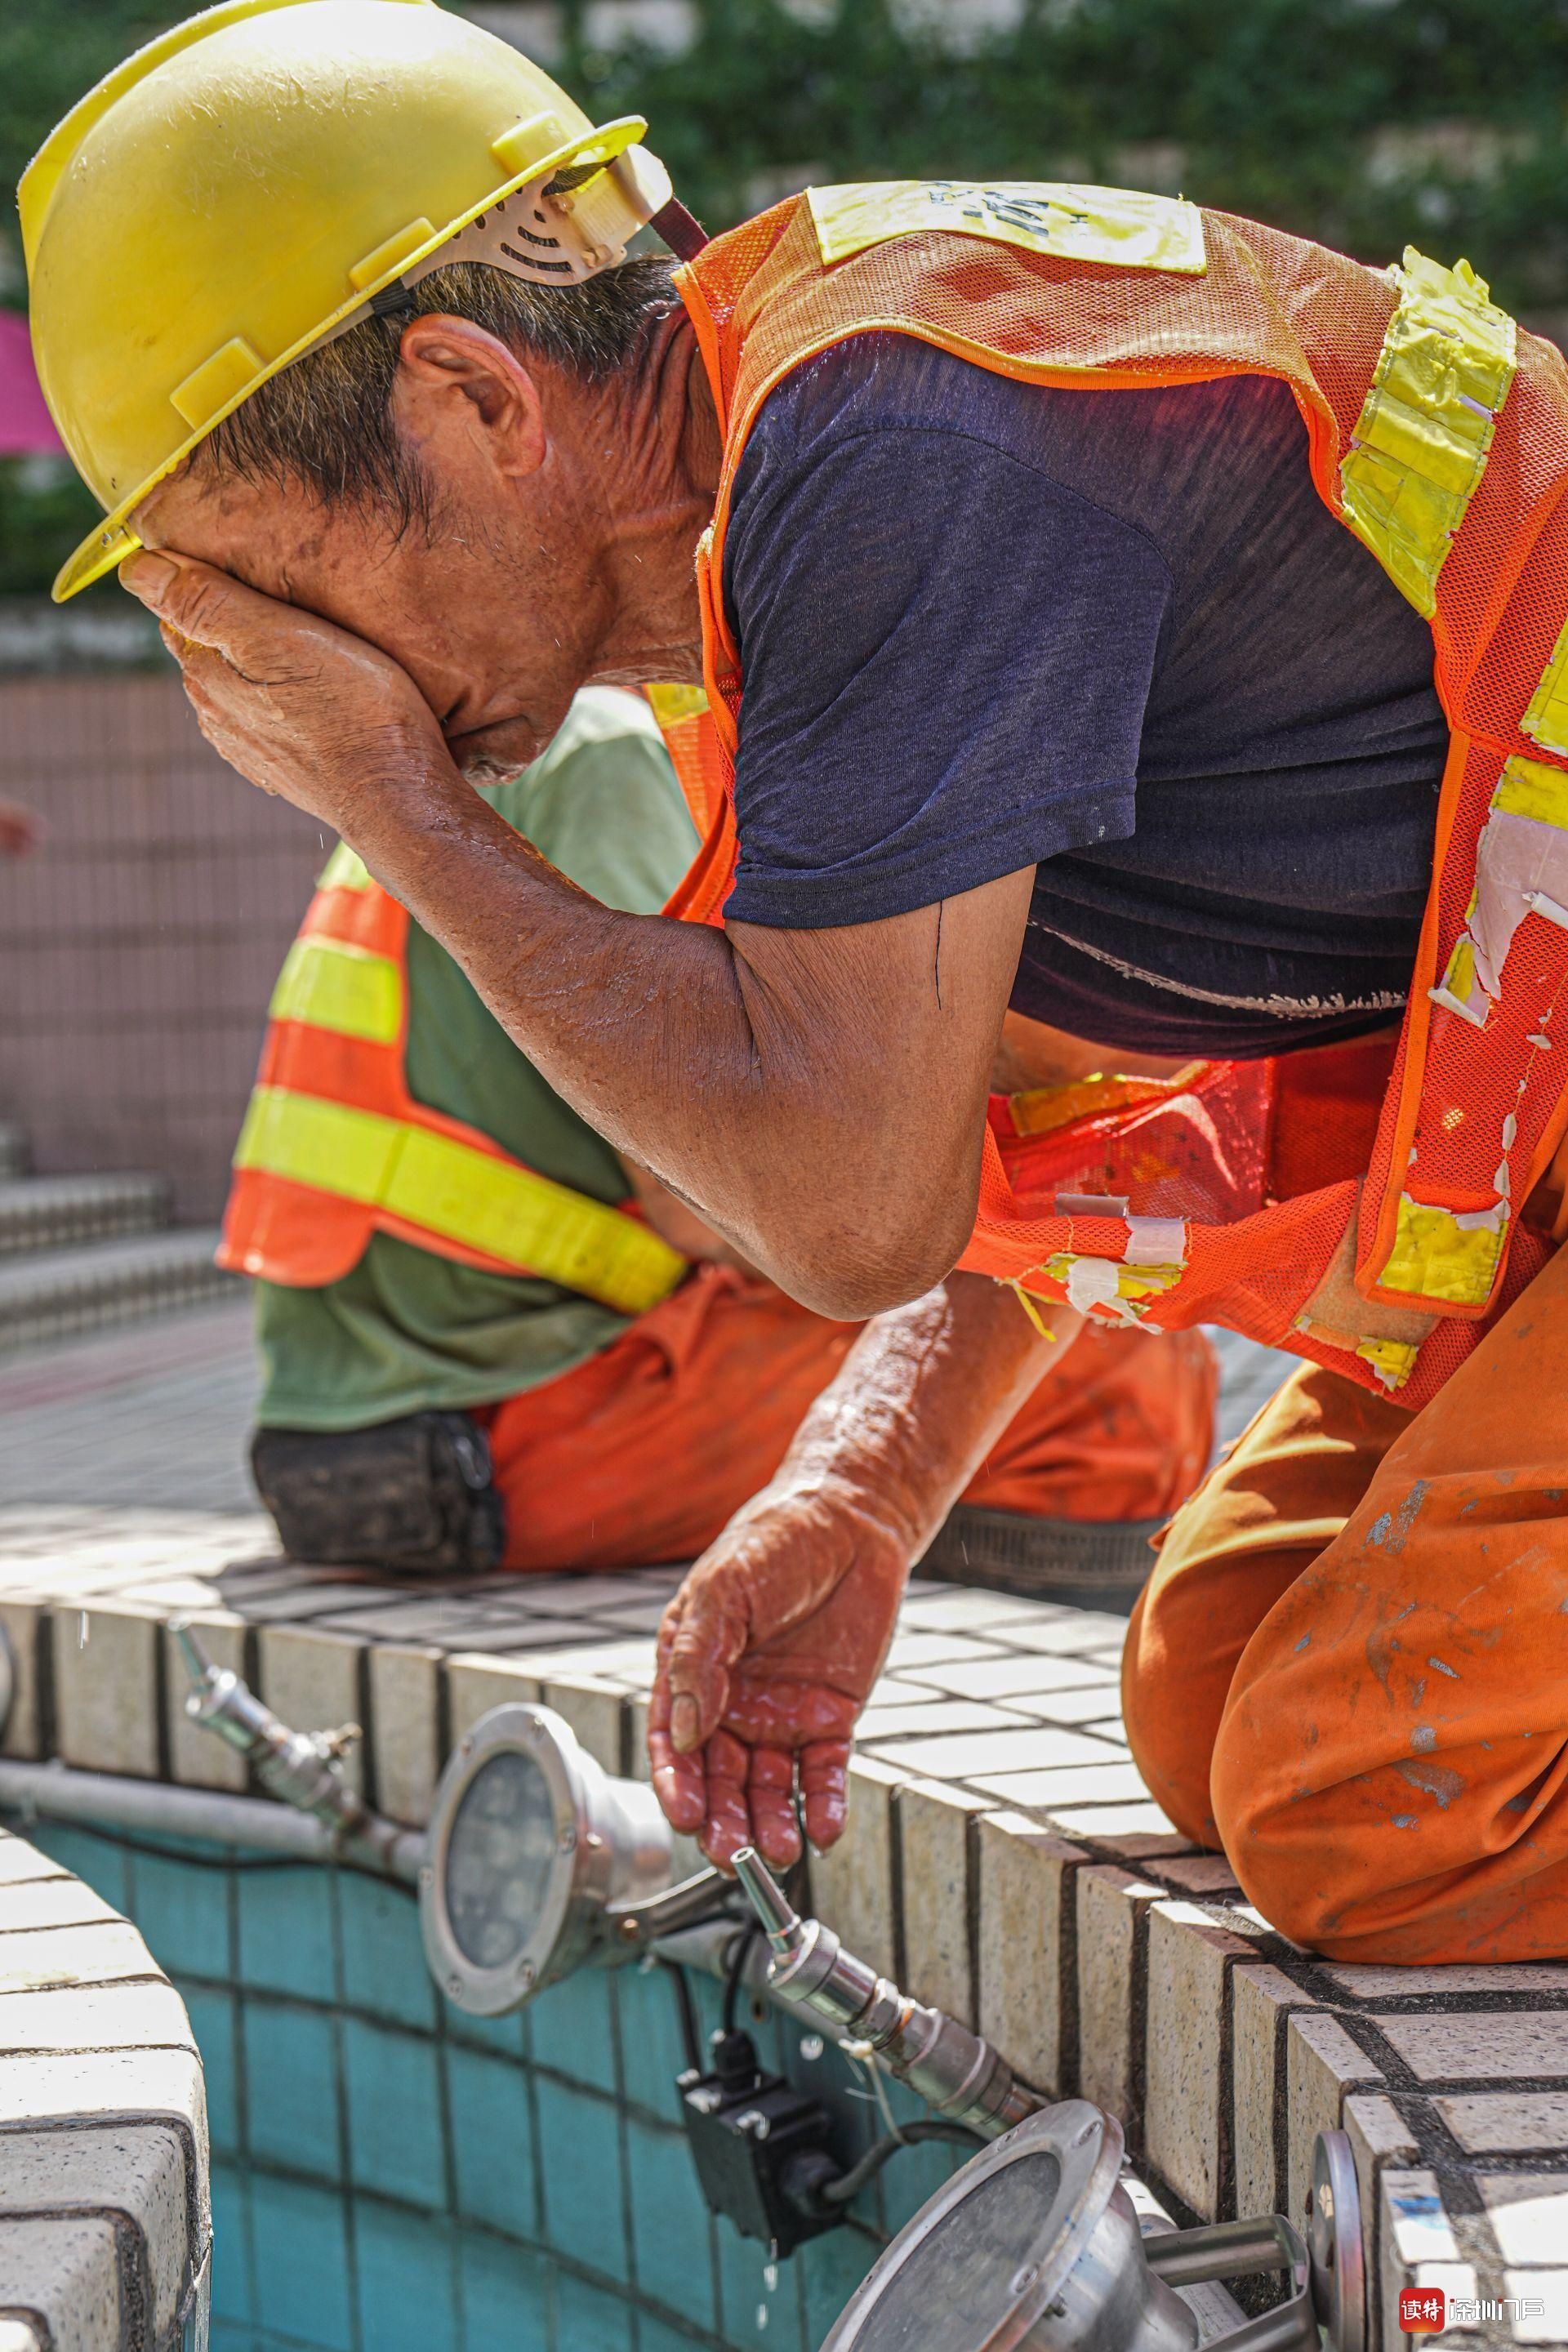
326, 421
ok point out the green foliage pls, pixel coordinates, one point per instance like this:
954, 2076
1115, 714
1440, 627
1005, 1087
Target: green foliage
1367, 123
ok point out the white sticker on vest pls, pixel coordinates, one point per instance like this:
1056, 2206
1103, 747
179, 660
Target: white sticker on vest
1115, 226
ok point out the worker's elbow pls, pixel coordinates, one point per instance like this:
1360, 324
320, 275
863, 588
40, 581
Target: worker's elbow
853, 1269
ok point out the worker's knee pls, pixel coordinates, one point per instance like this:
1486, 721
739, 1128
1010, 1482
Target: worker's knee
1171, 1738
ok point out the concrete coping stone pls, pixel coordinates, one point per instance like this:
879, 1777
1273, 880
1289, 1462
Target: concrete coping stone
1002, 1859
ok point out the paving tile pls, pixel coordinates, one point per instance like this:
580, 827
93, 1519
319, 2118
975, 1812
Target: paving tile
1035, 1673
1139, 1831
1322, 2065
1381, 2141
1107, 1782
1362, 1982
852, 1883
24, 1621
67, 2270
596, 1712
1188, 1958
310, 1680
404, 1729
476, 1684
106, 1688
199, 1758
1415, 2243
1524, 2044
903, 1715
21, 1863
149, 2016
1112, 1905
961, 1611
1021, 1908
109, 1953
972, 1754
1201, 1874
938, 1893
912, 1652
1506, 2123
1071, 1633
1528, 2213
213, 2020
100, 2086
1261, 2003
50, 1902
1545, 2293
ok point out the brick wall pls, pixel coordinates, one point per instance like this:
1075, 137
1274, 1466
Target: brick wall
138, 947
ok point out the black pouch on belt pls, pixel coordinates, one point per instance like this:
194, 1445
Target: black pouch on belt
414, 1494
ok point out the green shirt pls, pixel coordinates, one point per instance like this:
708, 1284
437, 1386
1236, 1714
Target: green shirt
408, 1330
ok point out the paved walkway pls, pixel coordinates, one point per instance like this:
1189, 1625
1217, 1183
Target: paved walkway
156, 1416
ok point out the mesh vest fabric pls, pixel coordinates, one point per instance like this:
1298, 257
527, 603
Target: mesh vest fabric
1438, 434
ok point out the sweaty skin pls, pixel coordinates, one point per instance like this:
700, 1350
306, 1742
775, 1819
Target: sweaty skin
817, 1096
769, 1650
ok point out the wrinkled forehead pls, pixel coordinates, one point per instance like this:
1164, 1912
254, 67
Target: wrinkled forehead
273, 535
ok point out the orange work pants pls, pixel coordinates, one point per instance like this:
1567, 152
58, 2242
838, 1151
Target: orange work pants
644, 1452
1349, 1667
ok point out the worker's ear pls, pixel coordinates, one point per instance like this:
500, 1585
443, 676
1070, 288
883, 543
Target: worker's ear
456, 383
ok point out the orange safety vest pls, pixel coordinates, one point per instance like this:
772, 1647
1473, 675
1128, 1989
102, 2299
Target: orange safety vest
1438, 433
334, 1147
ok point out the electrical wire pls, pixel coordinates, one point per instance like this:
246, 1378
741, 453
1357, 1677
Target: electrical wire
735, 1971
848, 2187
688, 2010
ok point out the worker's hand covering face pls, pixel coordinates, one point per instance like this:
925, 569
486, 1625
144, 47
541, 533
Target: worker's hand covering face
767, 1656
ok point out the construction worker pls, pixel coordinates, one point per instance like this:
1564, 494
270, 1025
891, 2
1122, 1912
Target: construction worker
488, 1341
1146, 620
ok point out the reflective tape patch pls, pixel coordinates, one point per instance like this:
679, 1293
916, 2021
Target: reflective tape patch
1545, 720
1530, 788
1422, 440
1451, 1260
330, 984
1392, 1360
671, 704
1521, 869
1115, 226
446, 1188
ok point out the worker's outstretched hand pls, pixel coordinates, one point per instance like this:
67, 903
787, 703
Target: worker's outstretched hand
767, 1656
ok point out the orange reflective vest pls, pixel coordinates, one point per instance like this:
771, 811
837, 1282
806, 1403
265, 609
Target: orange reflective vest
1438, 433
334, 1147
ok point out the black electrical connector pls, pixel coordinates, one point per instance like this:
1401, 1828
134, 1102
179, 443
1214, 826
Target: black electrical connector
761, 2148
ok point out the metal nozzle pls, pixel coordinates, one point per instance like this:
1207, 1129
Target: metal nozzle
781, 1922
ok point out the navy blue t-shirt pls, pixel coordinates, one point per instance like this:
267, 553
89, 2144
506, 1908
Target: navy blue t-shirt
1114, 635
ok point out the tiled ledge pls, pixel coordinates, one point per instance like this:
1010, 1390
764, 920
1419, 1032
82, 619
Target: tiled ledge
104, 2229
1002, 1860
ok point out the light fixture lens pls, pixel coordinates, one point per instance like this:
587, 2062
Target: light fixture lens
961, 2283
501, 1858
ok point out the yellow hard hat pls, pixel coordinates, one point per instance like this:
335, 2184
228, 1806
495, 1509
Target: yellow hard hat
243, 186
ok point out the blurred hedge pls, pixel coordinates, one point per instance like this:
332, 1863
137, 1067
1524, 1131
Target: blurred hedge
1365, 122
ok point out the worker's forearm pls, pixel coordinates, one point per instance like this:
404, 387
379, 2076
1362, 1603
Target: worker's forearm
918, 1402
733, 1084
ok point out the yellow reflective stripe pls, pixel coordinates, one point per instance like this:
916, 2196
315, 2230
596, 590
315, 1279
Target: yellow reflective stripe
330, 984
1426, 429
1529, 788
344, 870
671, 704
1119, 226
1443, 1257
446, 1188
1545, 720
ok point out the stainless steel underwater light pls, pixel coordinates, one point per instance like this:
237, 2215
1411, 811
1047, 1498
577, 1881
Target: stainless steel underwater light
537, 1861
1035, 2247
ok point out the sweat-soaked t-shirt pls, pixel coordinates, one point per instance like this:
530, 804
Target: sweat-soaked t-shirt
1114, 635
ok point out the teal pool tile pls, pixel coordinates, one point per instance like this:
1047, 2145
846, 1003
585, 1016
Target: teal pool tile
232, 2335
587, 2320
211, 2016
291, 2087
384, 1969
492, 2141
913, 2175
506, 2297
302, 2262
181, 1910
831, 2267
579, 2152
757, 2317
657, 2336
98, 1865
286, 1936
671, 2233
234, 2288
405, 2263
396, 2140
573, 2029
653, 2049
505, 2035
